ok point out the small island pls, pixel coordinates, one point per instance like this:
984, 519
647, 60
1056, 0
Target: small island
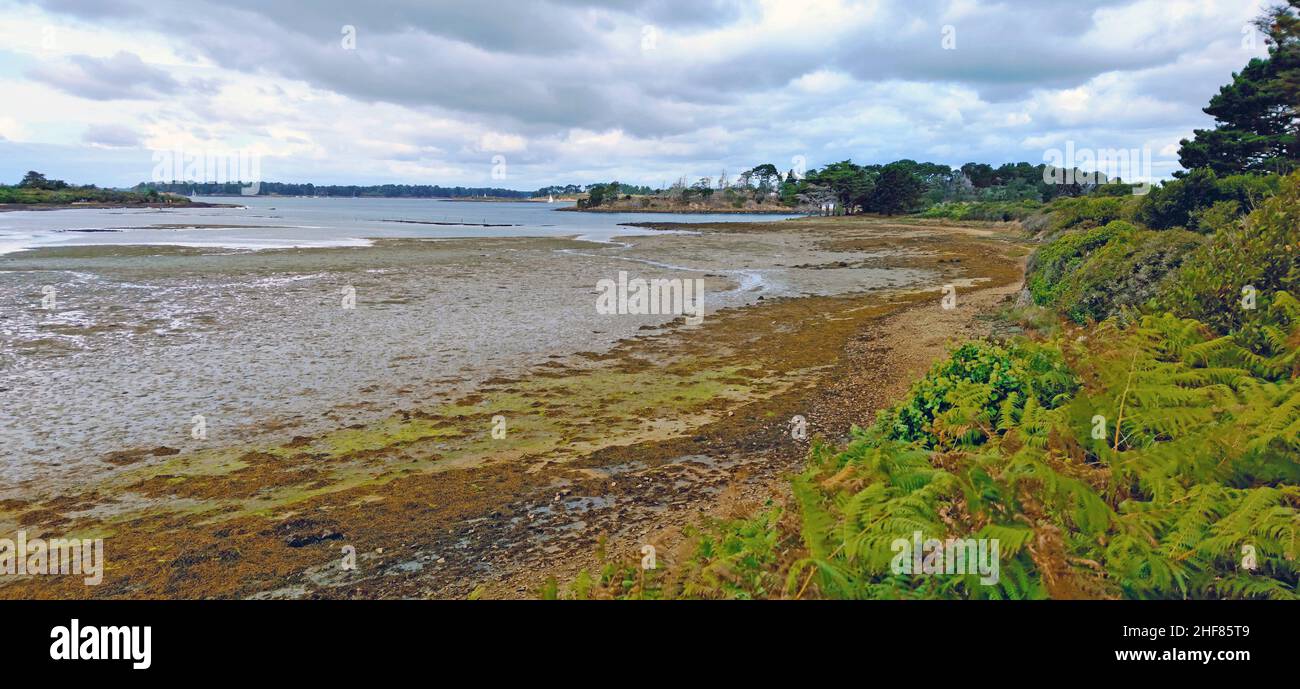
36, 192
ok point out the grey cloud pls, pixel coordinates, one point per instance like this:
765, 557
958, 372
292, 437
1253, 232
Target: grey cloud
670, 13
122, 76
539, 68
111, 135
94, 9
205, 87
549, 64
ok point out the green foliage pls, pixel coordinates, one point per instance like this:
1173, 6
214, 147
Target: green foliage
36, 189
995, 380
1255, 126
1262, 252
734, 559
896, 190
1220, 216
598, 194
1094, 274
851, 184
1195, 465
1251, 133
36, 180
1125, 273
1091, 211
1203, 201
1050, 265
618, 580
996, 211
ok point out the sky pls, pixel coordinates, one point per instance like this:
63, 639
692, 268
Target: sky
527, 93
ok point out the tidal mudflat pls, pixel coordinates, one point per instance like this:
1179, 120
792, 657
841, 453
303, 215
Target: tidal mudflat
372, 427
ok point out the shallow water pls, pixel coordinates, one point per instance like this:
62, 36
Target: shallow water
141, 339
272, 223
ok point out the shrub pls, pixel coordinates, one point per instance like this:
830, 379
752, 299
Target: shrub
1262, 252
980, 373
1091, 211
1221, 216
1049, 266
1184, 202
1126, 272
994, 211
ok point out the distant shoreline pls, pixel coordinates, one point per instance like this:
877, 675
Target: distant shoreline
457, 199
488, 199
10, 207
685, 211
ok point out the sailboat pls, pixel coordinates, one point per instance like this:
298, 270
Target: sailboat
550, 198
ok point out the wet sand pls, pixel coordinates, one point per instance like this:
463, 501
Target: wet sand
143, 338
619, 445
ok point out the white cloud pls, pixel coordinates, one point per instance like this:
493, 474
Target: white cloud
497, 142
823, 81
11, 129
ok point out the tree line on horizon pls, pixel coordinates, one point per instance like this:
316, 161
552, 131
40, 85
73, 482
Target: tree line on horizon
332, 190
902, 186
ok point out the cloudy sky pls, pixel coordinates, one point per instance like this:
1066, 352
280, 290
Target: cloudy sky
643, 91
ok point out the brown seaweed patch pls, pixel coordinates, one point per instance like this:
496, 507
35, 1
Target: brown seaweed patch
127, 457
